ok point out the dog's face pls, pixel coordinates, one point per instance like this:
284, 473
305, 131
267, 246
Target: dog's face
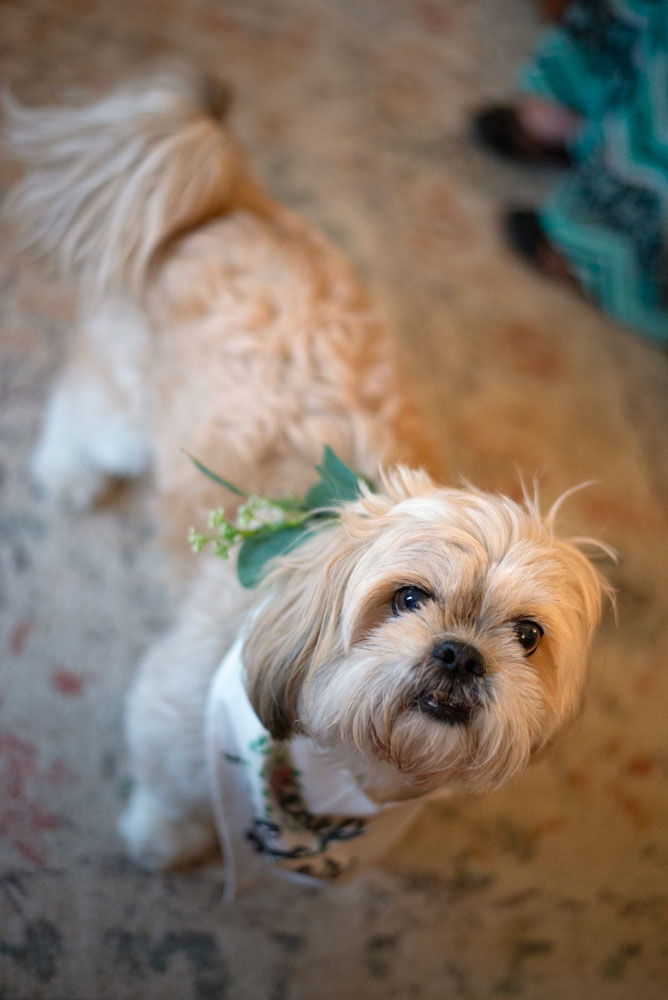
437, 635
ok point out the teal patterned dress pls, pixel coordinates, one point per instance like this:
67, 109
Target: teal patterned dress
609, 215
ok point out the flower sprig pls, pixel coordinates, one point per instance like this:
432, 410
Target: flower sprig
258, 515
264, 527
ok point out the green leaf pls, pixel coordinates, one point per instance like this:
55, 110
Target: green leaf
217, 479
338, 484
263, 545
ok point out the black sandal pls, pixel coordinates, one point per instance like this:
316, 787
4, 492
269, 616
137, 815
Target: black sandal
525, 236
500, 129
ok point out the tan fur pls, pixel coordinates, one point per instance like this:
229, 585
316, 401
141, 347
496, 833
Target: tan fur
213, 320
259, 344
327, 657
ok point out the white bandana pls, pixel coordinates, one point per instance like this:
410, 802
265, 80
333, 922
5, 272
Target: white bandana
281, 808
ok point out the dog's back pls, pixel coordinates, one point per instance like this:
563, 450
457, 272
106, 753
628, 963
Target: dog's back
221, 322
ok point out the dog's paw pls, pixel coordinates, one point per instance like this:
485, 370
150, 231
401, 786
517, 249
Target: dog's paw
65, 477
85, 443
156, 839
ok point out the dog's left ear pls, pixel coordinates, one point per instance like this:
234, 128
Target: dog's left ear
295, 629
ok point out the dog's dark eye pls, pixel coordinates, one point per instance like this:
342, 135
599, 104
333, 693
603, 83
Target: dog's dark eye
408, 599
528, 635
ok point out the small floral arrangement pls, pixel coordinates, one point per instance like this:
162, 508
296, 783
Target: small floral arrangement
264, 528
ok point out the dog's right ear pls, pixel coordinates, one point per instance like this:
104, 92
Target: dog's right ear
295, 629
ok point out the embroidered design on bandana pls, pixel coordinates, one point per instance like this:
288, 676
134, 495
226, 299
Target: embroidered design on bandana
288, 831
281, 809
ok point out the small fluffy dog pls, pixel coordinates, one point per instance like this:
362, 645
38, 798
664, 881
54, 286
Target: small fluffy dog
425, 638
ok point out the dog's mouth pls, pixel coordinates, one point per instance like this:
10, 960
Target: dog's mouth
448, 707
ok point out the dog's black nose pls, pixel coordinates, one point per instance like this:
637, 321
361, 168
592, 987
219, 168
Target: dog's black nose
460, 657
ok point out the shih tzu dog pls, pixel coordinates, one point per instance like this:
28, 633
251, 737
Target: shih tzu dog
418, 638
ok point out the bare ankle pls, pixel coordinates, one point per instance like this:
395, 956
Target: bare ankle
547, 121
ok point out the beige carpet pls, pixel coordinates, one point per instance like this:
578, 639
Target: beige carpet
355, 112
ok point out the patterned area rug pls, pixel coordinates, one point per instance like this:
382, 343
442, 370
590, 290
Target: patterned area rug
355, 113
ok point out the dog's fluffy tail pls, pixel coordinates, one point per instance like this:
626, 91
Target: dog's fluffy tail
109, 184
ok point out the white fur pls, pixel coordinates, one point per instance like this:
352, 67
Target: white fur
93, 427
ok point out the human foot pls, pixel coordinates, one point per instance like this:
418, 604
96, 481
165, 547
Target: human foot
531, 130
526, 237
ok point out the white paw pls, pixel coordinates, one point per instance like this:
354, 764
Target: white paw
84, 442
156, 839
65, 476
60, 467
